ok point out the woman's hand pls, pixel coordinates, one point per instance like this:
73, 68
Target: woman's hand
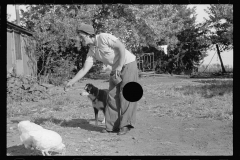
118, 71
69, 84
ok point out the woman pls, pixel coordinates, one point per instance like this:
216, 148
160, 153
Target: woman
120, 114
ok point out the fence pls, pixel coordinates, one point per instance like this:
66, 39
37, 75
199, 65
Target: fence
145, 62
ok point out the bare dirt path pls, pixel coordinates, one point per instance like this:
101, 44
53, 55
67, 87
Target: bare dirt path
154, 134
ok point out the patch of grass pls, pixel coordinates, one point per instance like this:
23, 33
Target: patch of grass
211, 99
55, 104
196, 106
17, 109
210, 89
57, 108
11, 110
102, 76
214, 68
61, 112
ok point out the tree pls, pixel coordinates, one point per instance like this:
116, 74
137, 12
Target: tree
188, 43
155, 23
192, 41
220, 25
138, 26
192, 47
54, 30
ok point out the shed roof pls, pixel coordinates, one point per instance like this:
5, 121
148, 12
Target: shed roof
18, 28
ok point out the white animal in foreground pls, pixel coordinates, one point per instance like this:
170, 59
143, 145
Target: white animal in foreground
24, 128
47, 140
34, 136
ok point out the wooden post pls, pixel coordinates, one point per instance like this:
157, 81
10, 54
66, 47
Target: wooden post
218, 52
153, 65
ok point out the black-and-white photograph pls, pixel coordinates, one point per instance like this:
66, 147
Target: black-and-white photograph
119, 80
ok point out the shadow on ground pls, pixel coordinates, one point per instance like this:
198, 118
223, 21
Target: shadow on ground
81, 123
22, 151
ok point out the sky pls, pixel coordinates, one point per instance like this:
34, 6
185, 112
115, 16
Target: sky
11, 11
227, 56
201, 14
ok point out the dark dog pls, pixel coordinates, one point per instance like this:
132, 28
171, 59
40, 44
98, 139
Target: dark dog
98, 98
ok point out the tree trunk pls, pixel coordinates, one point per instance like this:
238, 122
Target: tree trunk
46, 69
46, 66
219, 55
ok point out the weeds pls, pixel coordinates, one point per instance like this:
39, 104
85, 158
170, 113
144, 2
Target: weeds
214, 68
206, 98
211, 88
209, 99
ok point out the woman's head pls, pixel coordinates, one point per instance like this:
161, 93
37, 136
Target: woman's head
86, 33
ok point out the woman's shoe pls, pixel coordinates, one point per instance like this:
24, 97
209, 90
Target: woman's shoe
106, 131
123, 131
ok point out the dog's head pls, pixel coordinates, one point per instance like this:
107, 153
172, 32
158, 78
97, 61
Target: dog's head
89, 88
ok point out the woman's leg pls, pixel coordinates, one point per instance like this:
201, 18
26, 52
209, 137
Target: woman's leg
112, 112
120, 112
128, 109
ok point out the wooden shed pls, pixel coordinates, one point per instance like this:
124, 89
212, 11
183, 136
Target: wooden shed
20, 50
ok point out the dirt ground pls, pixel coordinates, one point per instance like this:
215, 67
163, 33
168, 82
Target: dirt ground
152, 135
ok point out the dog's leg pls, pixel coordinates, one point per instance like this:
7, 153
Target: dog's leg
104, 116
103, 121
96, 116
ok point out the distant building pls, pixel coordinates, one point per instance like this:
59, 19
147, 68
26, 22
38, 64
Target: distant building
19, 56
